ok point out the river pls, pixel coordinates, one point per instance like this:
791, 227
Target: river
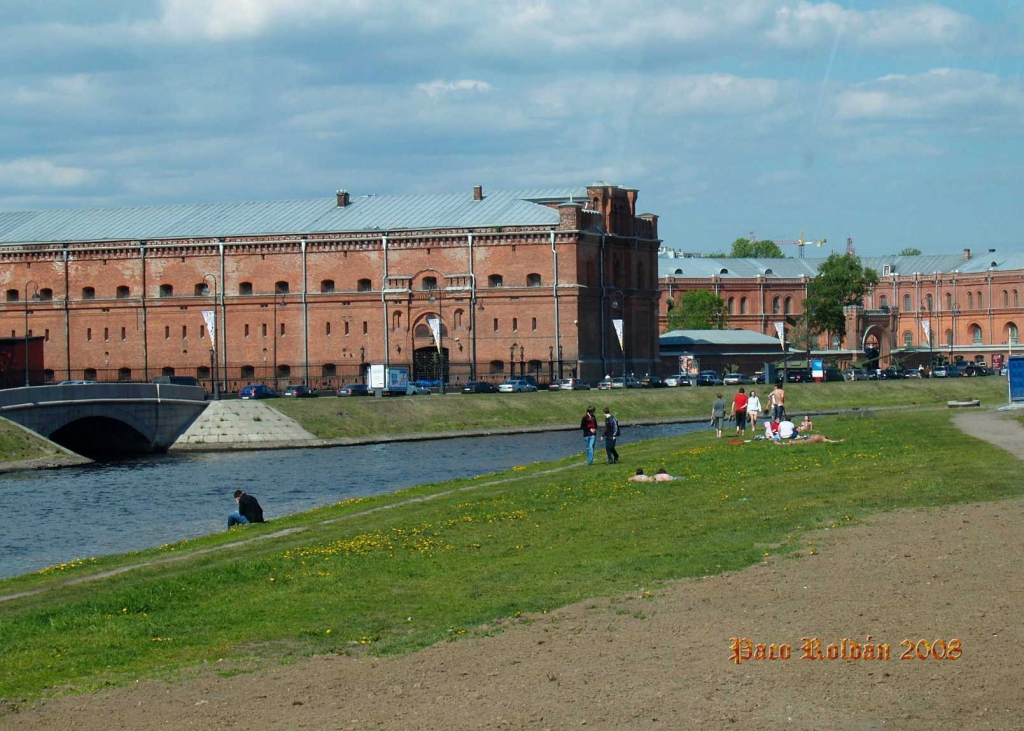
53, 516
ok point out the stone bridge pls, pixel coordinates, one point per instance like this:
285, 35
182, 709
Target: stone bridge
96, 419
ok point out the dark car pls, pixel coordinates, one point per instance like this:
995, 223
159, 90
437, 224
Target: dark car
974, 370
799, 375
176, 380
479, 387
300, 390
708, 379
354, 389
257, 391
652, 382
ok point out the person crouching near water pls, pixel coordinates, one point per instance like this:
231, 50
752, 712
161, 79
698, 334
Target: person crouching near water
249, 510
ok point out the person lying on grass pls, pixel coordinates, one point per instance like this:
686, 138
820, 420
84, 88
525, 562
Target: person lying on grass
812, 439
661, 475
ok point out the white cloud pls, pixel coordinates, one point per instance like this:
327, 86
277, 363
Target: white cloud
438, 88
74, 88
38, 173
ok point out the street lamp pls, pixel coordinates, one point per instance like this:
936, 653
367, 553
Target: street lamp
551, 363
512, 361
35, 298
264, 363
440, 339
362, 360
213, 340
283, 295
952, 333
522, 363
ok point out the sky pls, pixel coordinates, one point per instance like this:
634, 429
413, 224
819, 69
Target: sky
899, 124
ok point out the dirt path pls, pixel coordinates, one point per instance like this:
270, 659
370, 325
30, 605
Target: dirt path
663, 661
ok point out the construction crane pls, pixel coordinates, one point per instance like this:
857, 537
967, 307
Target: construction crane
800, 243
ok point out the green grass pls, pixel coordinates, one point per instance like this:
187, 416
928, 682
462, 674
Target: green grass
17, 444
469, 562
331, 418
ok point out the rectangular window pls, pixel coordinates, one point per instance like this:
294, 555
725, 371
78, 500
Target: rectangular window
533, 324
46, 334
495, 324
184, 332
282, 329
515, 324
328, 329
167, 332
365, 329
88, 334
346, 328
106, 335
264, 329
124, 334
202, 331
247, 330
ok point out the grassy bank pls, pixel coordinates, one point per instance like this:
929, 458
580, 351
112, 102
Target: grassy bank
330, 418
396, 580
18, 445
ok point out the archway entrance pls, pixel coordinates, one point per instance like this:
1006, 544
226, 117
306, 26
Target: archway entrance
101, 438
426, 365
876, 347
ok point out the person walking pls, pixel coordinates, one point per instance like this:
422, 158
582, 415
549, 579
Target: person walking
739, 411
718, 414
611, 434
779, 402
589, 426
753, 409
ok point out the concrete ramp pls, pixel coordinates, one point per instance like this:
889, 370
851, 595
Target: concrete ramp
228, 425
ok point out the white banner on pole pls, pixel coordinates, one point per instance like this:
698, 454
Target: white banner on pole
210, 317
780, 328
435, 330
927, 327
618, 331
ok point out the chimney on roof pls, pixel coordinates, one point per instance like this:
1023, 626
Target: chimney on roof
967, 254
478, 192
342, 198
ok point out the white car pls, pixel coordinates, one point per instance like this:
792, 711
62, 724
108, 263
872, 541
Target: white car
516, 386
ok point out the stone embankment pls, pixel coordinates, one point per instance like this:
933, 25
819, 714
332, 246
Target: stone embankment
233, 424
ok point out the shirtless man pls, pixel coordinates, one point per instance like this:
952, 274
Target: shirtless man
812, 439
779, 401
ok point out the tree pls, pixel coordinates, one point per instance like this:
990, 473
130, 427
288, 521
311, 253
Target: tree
841, 281
699, 309
764, 249
910, 251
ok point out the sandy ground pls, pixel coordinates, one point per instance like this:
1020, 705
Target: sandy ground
664, 660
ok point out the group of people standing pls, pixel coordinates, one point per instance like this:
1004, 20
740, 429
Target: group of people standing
746, 409
611, 434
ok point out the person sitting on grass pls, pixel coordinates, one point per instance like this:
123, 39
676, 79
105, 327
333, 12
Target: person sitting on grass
640, 476
249, 510
812, 439
806, 425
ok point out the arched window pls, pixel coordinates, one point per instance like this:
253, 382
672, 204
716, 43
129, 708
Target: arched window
883, 301
980, 301
364, 285
976, 335
533, 280
743, 305
203, 372
787, 306
1011, 333
281, 287
495, 280
123, 292
1016, 303
11, 295
247, 373
49, 376
124, 374
326, 286
949, 301
328, 370
46, 294
457, 319
89, 374
908, 339
907, 303
1006, 298
428, 283
422, 331
497, 366
245, 288
396, 321
837, 341
202, 290
165, 371
166, 290
776, 305
88, 293
970, 301
949, 338
284, 371
732, 305
929, 302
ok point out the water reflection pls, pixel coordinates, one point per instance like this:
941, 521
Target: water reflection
55, 516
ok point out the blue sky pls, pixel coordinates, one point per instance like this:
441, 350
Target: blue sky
898, 124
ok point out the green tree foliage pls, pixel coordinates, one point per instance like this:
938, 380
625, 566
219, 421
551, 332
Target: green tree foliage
842, 280
764, 249
910, 251
699, 309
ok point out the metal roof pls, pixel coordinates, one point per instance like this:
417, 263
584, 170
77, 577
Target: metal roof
288, 217
717, 337
728, 268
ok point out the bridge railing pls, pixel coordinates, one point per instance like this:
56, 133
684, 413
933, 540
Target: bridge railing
19, 397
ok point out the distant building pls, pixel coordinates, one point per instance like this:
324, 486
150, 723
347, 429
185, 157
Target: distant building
971, 305
718, 350
520, 281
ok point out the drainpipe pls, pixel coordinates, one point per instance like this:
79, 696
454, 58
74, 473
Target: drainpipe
554, 293
67, 314
604, 363
145, 323
305, 317
223, 334
384, 301
472, 312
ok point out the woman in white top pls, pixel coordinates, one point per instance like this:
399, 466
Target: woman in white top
753, 408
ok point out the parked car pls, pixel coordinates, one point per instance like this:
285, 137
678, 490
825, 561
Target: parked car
605, 384
300, 390
855, 374
257, 391
833, 374
79, 382
940, 372
709, 379
516, 385
176, 380
972, 369
798, 375
652, 382
479, 387
414, 389
737, 379
678, 379
573, 384
354, 389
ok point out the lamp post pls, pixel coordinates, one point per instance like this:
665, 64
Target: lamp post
213, 340
362, 360
440, 340
35, 297
283, 295
952, 333
264, 363
522, 363
551, 363
512, 361
617, 315
559, 362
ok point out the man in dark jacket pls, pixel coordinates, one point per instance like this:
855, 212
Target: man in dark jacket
611, 434
589, 426
249, 510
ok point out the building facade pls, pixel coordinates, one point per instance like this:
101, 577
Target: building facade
970, 306
313, 291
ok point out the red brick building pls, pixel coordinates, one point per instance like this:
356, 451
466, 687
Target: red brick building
314, 291
972, 305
